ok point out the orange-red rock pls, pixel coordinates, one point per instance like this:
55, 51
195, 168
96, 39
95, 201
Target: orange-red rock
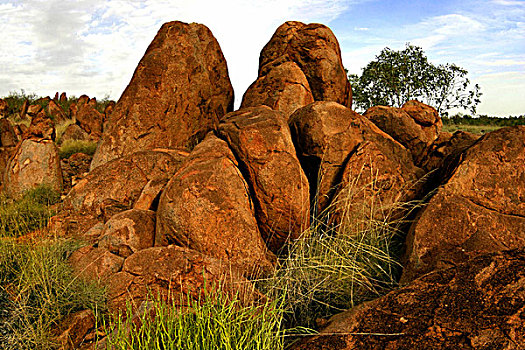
340, 148
128, 232
416, 125
117, 185
284, 88
8, 137
178, 93
4, 108
474, 305
480, 209
206, 206
261, 141
315, 50
176, 273
34, 163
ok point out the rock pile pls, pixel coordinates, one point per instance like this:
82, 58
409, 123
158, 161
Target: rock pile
183, 190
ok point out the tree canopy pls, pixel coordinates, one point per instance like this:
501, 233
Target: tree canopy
395, 77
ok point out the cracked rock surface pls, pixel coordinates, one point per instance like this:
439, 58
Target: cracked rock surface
474, 305
480, 209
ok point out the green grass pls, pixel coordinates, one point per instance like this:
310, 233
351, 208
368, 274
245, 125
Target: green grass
70, 147
38, 289
475, 129
215, 321
27, 214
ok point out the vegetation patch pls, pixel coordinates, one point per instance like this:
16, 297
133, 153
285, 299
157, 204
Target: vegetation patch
70, 147
27, 214
215, 321
37, 290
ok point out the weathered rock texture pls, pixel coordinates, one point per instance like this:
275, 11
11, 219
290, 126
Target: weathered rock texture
284, 88
415, 125
174, 272
34, 163
261, 141
4, 108
8, 137
443, 155
475, 305
128, 232
206, 206
115, 187
178, 93
89, 119
480, 209
340, 148
297, 48
74, 168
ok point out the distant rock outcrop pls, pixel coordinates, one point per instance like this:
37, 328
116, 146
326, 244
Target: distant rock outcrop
178, 93
300, 64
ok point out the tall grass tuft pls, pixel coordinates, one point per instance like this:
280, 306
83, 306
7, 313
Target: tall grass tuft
349, 255
38, 289
214, 321
29, 213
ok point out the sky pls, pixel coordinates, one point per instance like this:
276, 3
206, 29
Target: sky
93, 46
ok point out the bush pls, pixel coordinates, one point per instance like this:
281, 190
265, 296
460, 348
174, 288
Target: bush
70, 147
27, 214
215, 321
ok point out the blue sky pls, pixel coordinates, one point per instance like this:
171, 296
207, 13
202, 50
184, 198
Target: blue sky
93, 46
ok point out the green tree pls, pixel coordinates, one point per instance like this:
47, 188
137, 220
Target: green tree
395, 77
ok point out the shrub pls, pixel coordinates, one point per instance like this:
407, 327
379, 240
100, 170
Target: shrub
70, 147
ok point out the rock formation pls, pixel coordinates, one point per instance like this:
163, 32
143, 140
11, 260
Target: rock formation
415, 125
300, 64
474, 305
479, 209
206, 206
261, 141
178, 93
340, 148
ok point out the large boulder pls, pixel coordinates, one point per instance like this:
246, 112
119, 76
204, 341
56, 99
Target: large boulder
340, 149
206, 206
284, 88
34, 163
115, 187
416, 125
475, 305
315, 50
178, 93
480, 209
173, 272
261, 141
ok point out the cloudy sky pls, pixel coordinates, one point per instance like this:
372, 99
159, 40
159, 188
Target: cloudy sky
93, 46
